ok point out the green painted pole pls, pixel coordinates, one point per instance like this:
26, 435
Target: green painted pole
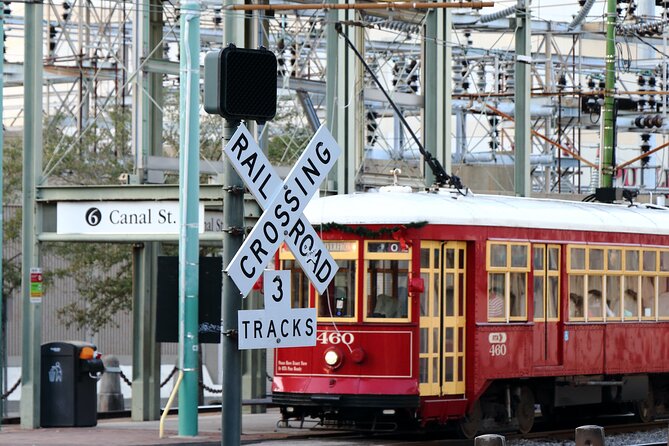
189, 147
522, 184
606, 177
2, 138
31, 330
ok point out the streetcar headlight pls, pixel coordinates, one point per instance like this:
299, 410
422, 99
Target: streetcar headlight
332, 358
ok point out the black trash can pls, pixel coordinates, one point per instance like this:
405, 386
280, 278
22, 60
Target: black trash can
69, 377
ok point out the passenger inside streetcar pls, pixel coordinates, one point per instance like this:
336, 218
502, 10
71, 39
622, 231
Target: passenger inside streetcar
386, 306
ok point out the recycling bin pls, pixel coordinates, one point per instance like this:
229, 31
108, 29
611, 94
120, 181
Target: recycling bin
70, 372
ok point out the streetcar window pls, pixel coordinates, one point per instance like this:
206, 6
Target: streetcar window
338, 301
576, 287
498, 255
632, 260
597, 259
614, 262
508, 265
299, 284
577, 258
631, 298
648, 297
649, 261
663, 296
387, 281
613, 296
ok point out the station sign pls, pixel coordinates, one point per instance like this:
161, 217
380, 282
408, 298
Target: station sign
121, 217
278, 325
283, 204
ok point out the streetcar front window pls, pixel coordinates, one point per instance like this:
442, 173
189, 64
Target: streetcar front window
387, 281
339, 302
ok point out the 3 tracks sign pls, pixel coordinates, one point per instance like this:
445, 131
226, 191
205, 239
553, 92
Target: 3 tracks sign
282, 220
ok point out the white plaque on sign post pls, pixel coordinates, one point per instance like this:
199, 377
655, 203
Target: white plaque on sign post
277, 325
283, 212
264, 183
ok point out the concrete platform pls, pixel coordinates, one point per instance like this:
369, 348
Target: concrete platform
256, 429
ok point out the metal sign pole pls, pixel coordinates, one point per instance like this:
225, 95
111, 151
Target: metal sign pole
233, 230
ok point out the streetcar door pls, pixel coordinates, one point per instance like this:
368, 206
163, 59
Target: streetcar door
546, 287
442, 319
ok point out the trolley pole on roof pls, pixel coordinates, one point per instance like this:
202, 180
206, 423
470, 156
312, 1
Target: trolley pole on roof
189, 197
608, 138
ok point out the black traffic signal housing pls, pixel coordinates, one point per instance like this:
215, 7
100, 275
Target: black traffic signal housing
240, 83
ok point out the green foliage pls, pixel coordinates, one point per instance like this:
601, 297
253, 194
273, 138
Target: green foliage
288, 138
103, 277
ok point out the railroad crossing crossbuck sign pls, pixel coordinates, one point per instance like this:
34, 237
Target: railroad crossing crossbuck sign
283, 204
277, 325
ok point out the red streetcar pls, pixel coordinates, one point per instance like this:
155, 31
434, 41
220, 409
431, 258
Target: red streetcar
471, 310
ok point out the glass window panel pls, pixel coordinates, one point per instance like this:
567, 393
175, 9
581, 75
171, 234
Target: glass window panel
632, 260
435, 370
498, 255
538, 258
461, 294
299, 284
422, 367
577, 258
614, 261
461, 368
423, 340
437, 258
518, 256
461, 339
595, 306
613, 296
576, 287
538, 297
436, 296
450, 341
449, 369
648, 296
649, 261
461, 258
518, 295
450, 297
663, 296
339, 299
497, 285
387, 285
435, 339
596, 261
631, 297
450, 258
553, 296
424, 295
664, 261
554, 259
424, 258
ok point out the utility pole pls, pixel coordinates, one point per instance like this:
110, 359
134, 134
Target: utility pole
522, 95
2, 138
606, 177
32, 173
189, 203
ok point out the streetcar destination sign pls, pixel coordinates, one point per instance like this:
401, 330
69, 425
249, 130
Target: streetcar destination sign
283, 204
277, 325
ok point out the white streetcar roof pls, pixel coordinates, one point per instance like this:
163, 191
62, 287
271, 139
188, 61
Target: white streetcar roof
450, 208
